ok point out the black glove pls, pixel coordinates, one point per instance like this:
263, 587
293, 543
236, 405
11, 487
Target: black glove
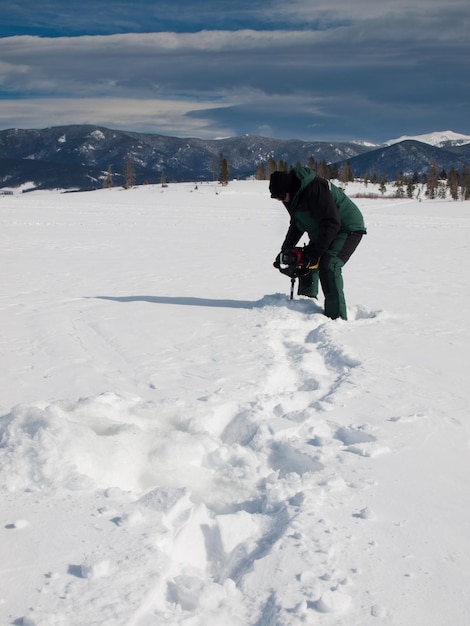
288, 264
289, 256
310, 256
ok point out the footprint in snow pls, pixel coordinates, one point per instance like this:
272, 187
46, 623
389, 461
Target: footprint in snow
359, 440
354, 434
363, 313
286, 459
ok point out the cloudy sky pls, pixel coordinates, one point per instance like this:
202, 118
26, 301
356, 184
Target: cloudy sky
306, 69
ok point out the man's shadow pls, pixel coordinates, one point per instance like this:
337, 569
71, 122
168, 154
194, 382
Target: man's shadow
277, 299
190, 301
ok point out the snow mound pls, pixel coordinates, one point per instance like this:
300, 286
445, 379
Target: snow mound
106, 441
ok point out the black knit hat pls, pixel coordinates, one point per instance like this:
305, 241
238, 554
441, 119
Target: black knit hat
280, 185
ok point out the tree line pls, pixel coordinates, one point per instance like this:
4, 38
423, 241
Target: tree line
436, 182
220, 172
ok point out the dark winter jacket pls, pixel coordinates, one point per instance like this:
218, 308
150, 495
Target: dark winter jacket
320, 209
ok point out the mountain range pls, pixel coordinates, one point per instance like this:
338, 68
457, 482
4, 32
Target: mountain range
78, 157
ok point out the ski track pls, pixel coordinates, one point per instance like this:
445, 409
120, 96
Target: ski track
177, 553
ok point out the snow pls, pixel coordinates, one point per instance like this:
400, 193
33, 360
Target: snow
437, 138
183, 445
98, 135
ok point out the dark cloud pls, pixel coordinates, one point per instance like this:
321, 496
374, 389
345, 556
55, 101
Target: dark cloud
378, 71
54, 18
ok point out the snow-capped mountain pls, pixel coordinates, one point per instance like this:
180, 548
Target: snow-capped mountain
440, 139
80, 157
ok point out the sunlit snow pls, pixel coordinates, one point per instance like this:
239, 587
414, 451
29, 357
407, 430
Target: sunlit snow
182, 444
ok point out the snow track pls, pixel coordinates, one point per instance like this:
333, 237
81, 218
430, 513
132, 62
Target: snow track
231, 490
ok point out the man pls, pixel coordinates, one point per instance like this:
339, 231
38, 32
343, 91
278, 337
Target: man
334, 225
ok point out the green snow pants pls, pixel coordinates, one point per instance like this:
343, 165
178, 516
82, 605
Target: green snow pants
330, 275
331, 278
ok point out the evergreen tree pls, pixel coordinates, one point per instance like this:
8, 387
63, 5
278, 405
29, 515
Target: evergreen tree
271, 167
345, 173
312, 163
410, 188
399, 182
260, 173
441, 189
129, 174
108, 181
453, 183
224, 171
432, 179
382, 186
324, 170
465, 182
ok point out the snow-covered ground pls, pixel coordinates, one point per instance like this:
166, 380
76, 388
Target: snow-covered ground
181, 444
